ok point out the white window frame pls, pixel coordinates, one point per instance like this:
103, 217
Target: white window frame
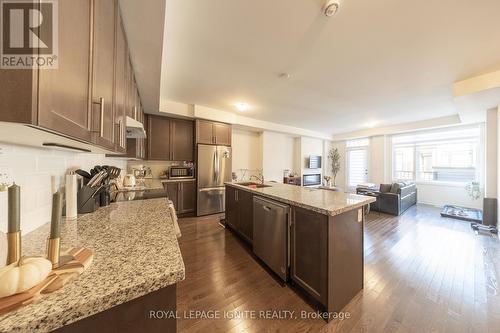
479, 161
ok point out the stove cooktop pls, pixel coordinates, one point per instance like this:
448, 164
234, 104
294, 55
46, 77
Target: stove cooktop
138, 195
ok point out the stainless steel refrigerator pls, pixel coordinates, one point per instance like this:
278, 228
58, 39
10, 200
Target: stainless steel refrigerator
214, 168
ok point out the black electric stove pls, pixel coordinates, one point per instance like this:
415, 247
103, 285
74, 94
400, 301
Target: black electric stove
137, 194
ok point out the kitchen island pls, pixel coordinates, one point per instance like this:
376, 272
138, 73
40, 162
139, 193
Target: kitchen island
323, 244
137, 264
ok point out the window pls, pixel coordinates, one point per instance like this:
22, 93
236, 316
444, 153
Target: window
449, 155
404, 166
357, 162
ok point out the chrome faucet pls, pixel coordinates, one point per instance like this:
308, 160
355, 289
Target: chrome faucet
260, 178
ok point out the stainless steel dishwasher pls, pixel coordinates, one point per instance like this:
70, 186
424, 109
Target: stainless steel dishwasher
271, 234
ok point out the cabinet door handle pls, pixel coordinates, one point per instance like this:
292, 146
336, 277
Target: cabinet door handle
122, 134
101, 123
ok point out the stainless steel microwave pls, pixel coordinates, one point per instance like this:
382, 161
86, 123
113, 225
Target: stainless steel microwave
177, 172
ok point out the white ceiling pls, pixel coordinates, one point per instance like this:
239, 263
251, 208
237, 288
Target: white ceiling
144, 23
375, 63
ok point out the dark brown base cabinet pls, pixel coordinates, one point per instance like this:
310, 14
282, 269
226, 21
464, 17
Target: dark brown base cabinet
138, 315
327, 256
326, 252
183, 195
239, 212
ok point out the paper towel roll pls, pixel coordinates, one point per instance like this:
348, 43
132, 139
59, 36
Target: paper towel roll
71, 195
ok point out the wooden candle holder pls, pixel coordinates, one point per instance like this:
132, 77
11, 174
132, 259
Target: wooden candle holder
80, 259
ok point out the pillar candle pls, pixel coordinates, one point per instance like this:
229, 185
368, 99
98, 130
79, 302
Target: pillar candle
14, 214
55, 222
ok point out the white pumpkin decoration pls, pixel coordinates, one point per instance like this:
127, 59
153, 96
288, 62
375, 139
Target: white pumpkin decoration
23, 275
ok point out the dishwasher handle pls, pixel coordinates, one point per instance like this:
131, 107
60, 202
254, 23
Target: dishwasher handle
266, 208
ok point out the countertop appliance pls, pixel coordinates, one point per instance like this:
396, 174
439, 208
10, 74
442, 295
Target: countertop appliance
214, 168
181, 172
271, 234
129, 180
136, 194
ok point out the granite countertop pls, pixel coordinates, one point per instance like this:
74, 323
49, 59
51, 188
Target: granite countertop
135, 252
321, 201
178, 180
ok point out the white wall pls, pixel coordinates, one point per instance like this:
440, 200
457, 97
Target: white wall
310, 146
272, 152
247, 153
278, 154
440, 195
491, 155
378, 160
38, 171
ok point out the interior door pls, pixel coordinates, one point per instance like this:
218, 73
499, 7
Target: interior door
357, 167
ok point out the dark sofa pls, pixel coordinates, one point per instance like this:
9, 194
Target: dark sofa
393, 198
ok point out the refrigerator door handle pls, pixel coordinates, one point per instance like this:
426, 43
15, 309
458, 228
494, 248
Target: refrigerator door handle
217, 165
214, 160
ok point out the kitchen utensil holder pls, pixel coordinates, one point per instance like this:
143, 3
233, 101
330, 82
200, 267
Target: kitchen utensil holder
88, 199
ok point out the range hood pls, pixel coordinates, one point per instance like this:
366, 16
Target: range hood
135, 129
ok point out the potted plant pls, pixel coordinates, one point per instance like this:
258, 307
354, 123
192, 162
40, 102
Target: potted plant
334, 157
473, 190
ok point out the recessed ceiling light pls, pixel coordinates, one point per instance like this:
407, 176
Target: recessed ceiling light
285, 75
331, 7
372, 124
240, 106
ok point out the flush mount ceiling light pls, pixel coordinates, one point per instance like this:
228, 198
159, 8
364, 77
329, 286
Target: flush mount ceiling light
240, 106
331, 7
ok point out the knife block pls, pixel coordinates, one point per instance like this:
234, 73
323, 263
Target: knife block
87, 200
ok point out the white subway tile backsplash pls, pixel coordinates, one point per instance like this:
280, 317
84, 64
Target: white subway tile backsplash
39, 172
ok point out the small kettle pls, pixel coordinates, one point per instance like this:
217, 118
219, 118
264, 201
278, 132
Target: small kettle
129, 180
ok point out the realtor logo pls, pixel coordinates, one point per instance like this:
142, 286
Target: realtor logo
28, 34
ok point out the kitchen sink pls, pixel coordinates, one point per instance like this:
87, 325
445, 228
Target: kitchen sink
253, 185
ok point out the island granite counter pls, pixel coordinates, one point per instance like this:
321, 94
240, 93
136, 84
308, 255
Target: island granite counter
321, 201
320, 238
137, 263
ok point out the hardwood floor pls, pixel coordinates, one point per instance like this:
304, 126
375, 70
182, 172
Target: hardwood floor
423, 273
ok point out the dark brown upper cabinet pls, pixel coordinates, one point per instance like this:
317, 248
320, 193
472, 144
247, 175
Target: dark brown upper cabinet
213, 133
89, 95
121, 68
56, 99
182, 140
158, 138
170, 139
103, 72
